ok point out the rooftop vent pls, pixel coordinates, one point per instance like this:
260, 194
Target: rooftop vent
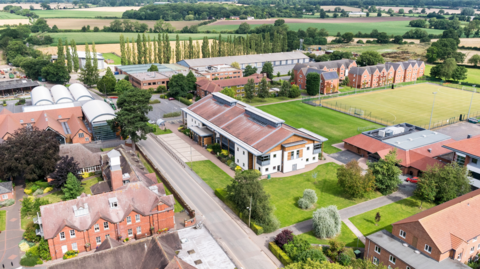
126, 176
430, 150
80, 211
417, 252
113, 202
405, 244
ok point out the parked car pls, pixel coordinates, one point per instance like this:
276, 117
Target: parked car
171, 98
473, 120
412, 179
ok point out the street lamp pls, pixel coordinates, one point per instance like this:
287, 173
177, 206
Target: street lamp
249, 211
474, 91
431, 114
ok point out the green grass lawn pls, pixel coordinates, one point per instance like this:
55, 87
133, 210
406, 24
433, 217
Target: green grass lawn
389, 214
58, 195
390, 27
473, 74
7, 16
285, 192
116, 60
412, 104
72, 13
263, 101
346, 236
3, 220
331, 124
211, 174
158, 130
111, 38
107, 149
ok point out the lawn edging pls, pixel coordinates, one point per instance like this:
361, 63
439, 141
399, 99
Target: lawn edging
279, 253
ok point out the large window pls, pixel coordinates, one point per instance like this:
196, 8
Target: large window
139, 230
428, 248
392, 259
378, 249
74, 246
96, 227
130, 232
98, 239
129, 220
460, 160
105, 225
62, 236
403, 234
72, 233
375, 260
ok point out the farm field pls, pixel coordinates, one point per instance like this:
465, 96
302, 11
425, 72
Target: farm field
412, 104
396, 9
390, 27
9, 16
473, 75
78, 23
331, 124
73, 13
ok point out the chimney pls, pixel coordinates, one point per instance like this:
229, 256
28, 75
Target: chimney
469, 136
116, 176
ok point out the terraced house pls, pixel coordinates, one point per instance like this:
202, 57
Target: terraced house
331, 73
256, 140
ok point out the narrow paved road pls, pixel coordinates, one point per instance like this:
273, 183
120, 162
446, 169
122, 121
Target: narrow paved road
235, 239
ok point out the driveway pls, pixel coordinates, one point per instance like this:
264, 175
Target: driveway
345, 156
164, 107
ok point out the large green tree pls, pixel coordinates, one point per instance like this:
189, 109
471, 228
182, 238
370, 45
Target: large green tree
87, 75
263, 88
267, 69
190, 80
249, 89
313, 83
370, 58
60, 53
178, 86
249, 70
426, 189
33, 66
56, 73
450, 181
386, 173
460, 73
72, 188
353, 182
229, 92
132, 115
122, 86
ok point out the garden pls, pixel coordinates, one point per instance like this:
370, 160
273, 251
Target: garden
159, 131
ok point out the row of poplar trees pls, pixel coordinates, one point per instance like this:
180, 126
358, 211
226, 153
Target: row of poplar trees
147, 51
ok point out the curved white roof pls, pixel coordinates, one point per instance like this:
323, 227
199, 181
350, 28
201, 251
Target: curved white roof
96, 111
61, 94
79, 92
41, 96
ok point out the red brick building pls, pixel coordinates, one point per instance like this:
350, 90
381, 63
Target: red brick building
444, 236
341, 67
467, 153
6, 191
206, 87
219, 71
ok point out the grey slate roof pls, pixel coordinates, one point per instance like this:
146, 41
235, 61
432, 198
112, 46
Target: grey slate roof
393, 245
358, 70
330, 75
245, 59
6, 187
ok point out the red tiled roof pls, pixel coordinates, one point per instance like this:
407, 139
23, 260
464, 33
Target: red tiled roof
452, 222
5, 112
369, 144
76, 125
468, 146
239, 81
437, 149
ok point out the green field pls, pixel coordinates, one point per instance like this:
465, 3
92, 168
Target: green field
390, 27
331, 124
412, 104
7, 16
117, 60
72, 13
210, 173
473, 74
3, 220
111, 38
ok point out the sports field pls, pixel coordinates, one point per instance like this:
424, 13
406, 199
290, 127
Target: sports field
412, 104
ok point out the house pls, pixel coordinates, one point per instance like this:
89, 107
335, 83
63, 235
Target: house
467, 153
329, 80
417, 149
158, 251
206, 87
359, 77
151, 80
219, 72
256, 139
341, 67
88, 158
6, 190
444, 236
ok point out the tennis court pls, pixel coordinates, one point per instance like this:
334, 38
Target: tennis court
412, 104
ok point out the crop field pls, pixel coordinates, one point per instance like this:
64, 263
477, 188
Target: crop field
390, 27
73, 13
78, 23
412, 104
9, 16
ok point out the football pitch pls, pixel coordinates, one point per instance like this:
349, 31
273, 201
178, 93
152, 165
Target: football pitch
411, 104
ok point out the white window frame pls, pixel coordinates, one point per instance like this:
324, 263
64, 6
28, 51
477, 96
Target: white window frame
472, 249
106, 226
129, 220
375, 260
97, 239
474, 239
139, 230
378, 249
402, 234
130, 232
5, 196
72, 234
74, 246
427, 247
62, 236
96, 228
392, 259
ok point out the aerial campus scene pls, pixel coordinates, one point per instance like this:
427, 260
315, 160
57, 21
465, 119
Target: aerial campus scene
313, 134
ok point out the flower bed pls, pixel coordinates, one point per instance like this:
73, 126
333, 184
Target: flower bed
70, 254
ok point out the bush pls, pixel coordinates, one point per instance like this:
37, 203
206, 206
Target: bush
336, 247
360, 42
7, 202
34, 187
29, 261
284, 237
197, 98
303, 203
154, 101
34, 251
270, 224
189, 96
258, 230
344, 259
49, 189
42, 184
185, 101
310, 196
30, 234
70, 254
296, 247
313, 254
44, 250
327, 222
172, 114
279, 253
38, 192
27, 191
216, 148
232, 165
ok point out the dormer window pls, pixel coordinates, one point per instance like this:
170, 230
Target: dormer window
81, 210
113, 202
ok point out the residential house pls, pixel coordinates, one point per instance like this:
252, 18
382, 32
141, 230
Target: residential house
341, 67
467, 153
329, 81
206, 87
256, 140
6, 191
88, 158
359, 77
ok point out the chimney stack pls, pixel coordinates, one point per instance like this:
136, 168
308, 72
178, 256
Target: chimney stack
116, 177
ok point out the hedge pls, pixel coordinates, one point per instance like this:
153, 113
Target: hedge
185, 101
279, 253
42, 184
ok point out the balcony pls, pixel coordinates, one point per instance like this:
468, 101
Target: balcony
37, 220
263, 160
317, 148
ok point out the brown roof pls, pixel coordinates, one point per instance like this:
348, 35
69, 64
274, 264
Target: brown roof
135, 196
367, 143
108, 243
85, 157
467, 146
218, 85
451, 222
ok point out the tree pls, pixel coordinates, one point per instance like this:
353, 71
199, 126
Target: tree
107, 83
191, 80
312, 254
67, 165
263, 89
44, 250
76, 63
249, 70
426, 190
347, 37
296, 247
284, 89
268, 69
132, 117
235, 65
367, 263
69, 58
249, 89
475, 59
33, 66
352, 181
377, 218
29, 152
15, 48
383, 38
447, 68
123, 86
56, 73
244, 28
152, 68
398, 39
468, 11
386, 173
327, 222
178, 52
178, 86
460, 73
370, 58
72, 188
308, 200
87, 75
229, 92
60, 53
451, 181
284, 237
95, 72
294, 91
313, 83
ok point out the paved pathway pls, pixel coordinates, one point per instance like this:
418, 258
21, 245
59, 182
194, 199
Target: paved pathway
355, 230
183, 150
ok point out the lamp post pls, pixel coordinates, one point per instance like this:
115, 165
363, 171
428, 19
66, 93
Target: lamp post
471, 100
431, 114
249, 211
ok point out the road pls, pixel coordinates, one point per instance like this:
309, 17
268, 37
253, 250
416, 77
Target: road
235, 240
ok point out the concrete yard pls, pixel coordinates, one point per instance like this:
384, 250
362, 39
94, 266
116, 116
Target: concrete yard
181, 148
198, 245
460, 130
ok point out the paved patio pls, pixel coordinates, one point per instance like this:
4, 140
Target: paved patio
184, 150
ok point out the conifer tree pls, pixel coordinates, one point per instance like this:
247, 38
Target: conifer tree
76, 62
267, 47
197, 49
185, 50
86, 73
139, 50
149, 51
167, 50
134, 53
128, 52
122, 49
178, 53
95, 72
159, 49
220, 52
284, 43
259, 44
145, 49
69, 58
60, 53
154, 52
190, 48
205, 51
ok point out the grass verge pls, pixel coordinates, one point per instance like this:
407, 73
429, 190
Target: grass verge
158, 130
116, 60
346, 236
3, 220
213, 175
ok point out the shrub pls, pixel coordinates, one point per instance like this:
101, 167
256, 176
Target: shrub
38, 192
224, 152
34, 188
229, 162
216, 148
27, 191
327, 222
284, 237
185, 101
336, 247
258, 230
344, 259
29, 261
30, 234
172, 114
360, 42
270, 224
313, 254
24, 247
233, 165
296, 247
189, 96
154, 101
238, 168
279, 253
70, 254
42, 184
33, 251
7, 202
303, 204
310, 196
44, 250
49, 189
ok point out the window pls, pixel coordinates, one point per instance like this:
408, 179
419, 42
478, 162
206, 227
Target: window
274, 155
96, 227
87, 139
72, 233
74, 246
5, 196
238, 161
459, 257
472, 249
475, 161
139, 230
237, 147
428, 248
129, 220
98, 239
137, 218
130, 232
105, 225
307, 159
403, 234
474, 239
243, 164
313, 158
408, 267
392, 259
62, 236
292, 154
375, 260
274, 168
243, 152
107, 236
378, 249
81, 135
266, 169
298, 153
308, 148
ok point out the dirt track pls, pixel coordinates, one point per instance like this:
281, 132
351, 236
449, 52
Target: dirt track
340, 20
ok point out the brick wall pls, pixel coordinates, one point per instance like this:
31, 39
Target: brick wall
87, 138
6, 196
383, 257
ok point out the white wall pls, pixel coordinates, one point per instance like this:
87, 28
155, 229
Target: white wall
275, 161
191, 121
241, 157
308, 154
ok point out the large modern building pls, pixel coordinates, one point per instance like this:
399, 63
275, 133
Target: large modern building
97, 113
417, 148
254, 60
142, 68
442, 237
219, 72
59, 94
467, 153
256, 139
147, 80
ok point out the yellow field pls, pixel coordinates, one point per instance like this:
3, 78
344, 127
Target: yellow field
79, 23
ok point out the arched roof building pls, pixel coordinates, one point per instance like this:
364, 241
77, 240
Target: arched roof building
79, 92
61, 94
41, 96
